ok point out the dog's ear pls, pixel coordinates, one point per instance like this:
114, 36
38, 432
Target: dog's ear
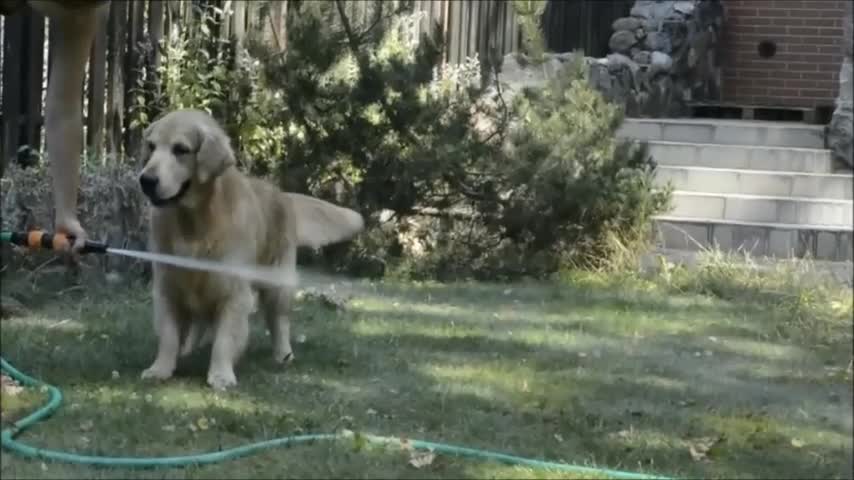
214, 155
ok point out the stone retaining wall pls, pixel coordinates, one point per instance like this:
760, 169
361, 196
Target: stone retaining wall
663, 55
840, 130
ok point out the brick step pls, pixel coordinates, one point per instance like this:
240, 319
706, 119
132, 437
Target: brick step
766, 209
757, 182
724, 132
757, 239
741, 157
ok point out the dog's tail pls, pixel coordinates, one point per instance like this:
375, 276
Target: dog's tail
321, 223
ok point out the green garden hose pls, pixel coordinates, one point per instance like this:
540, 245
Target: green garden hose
29, 451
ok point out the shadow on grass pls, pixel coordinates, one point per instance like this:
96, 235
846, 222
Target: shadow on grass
628, 403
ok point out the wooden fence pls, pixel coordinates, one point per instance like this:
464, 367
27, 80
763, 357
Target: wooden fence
485, 27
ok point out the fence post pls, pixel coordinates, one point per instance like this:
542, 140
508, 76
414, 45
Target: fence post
152, 59
132, 69
33, 52
12, 37
115, 77
97, 88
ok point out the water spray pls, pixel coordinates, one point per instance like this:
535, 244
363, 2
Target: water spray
37, 239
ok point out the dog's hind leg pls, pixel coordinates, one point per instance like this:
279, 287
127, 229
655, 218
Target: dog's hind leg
275, 303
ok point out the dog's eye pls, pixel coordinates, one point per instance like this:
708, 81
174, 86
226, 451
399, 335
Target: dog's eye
179, 149
151, 146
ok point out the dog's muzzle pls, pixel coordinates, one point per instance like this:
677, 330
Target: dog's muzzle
148, 184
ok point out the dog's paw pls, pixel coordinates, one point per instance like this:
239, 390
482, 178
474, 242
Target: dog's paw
283, 358
155, 372
222, 380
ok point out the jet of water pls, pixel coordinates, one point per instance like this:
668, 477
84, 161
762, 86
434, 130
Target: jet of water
254, 273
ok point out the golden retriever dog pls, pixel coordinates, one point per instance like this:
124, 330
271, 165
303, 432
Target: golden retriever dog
204, 207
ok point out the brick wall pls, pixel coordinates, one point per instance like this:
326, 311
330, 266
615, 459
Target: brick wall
803, 72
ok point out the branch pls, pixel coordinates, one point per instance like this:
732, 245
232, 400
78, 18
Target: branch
352, 40
379, 17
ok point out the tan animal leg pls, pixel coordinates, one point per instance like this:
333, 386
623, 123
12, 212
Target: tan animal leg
168, 340
275, 303
230, 339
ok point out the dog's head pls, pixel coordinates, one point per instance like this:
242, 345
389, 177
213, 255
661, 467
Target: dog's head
182, 151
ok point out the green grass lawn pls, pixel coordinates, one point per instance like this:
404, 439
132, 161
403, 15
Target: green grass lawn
602, 374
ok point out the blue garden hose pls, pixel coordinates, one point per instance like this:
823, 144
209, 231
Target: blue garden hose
29, 451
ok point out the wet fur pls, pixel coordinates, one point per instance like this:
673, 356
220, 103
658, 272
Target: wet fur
227, 216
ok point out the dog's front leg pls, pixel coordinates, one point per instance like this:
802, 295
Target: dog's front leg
231, 337
168, 339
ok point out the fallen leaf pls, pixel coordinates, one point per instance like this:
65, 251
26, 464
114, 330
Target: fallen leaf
371, 411
87, 425
421, 459
798, 443
699, 448
115, 375
559, 437
203, 423
168, 428
9, 386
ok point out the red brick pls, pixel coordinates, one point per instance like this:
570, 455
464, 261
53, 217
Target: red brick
831, 32
815, 76
741, 12
819, 22
815, 93
778, 20
802, 30
807, 13
821, 40
817, 84
802, 66
800, 48
809, 43
830, 49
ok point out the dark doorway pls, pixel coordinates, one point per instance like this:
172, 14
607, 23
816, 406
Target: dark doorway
582, 24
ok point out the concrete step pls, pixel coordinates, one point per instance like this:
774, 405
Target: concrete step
756, 239
725, 207
724, 132
803, 160
757, 182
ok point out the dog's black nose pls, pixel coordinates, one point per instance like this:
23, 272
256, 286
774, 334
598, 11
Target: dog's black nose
148, 183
